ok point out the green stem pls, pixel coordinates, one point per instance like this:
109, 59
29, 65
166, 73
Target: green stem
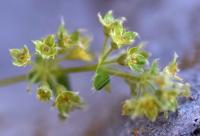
125, 75
12, 80
80, 69
105, 44
88, 68
106, 54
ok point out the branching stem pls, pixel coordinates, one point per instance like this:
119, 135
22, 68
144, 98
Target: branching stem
88, 68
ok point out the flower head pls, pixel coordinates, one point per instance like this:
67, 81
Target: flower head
66, 101
121, 36
46, 47
108, 21
143, 106
44, 93
137, 58
21, 57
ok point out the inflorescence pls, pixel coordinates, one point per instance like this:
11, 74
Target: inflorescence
153, 90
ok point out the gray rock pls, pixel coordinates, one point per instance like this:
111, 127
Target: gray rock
184, 122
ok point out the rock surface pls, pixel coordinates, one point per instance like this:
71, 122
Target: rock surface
184, 122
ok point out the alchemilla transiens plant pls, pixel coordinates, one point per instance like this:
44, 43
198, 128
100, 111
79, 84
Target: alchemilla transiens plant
153, 90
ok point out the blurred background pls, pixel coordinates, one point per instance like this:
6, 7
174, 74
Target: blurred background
168, 26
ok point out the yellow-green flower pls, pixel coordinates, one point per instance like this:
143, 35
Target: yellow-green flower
67, 101
143, 106
62, 35
46, 47
44, 93
108, 21
66, 40
136, 58
120, 36
172, 68
21, 57
167, 99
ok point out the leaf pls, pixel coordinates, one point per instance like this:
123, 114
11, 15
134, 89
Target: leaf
101, 79
64, 80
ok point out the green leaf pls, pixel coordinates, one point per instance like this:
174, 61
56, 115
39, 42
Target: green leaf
64, 80
101, 79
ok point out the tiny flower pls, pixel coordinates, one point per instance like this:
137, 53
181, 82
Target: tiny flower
136, 58
21, 57
67, 101
66, 40
80, 49
108, 20
46, 47
62, 35
142, 106
44, 93
122, 37
172, 68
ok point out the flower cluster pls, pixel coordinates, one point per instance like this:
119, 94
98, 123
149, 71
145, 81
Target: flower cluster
153, 90
53, 84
